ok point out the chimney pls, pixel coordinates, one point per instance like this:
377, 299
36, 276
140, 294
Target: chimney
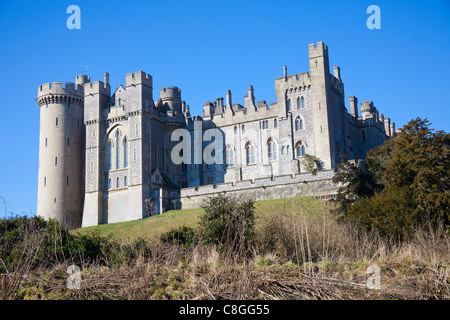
228, 98
353, 106
337, 72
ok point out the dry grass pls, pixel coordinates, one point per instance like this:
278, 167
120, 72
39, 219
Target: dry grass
301, 252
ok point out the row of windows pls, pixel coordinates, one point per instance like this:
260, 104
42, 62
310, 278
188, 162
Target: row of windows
300, 104
68, 142
45, 181
125, 182
264, 123
272, 152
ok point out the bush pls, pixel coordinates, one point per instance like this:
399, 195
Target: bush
185, 236
390, 212
228, 224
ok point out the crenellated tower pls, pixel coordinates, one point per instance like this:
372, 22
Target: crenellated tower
61, 147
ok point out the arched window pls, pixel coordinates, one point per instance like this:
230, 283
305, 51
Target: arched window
275, 123
300, 148
243, 128
250, 152
272, 148
299, 106
118, 182
283, 150
298, 124
125, 152
302, 103
56, 161
235, 129
125, 181
289, 107
118, 140
230, 157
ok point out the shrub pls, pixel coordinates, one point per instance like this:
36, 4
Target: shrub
228, 224
182, 236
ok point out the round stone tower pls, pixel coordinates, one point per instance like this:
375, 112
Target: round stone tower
61, 147
171, 99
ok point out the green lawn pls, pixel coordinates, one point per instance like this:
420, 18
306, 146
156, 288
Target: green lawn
156, 225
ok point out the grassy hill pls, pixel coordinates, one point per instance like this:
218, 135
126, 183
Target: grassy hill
154, 226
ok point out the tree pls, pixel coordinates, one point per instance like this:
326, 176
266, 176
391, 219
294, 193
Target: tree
421, 162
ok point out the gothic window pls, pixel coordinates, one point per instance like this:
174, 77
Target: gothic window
265, 124
272, 148
230, 157
110, 155
243, 128
299, 106
275, 123
250, 152
303, 102
235, 129
283, 150
298, 124
300, 149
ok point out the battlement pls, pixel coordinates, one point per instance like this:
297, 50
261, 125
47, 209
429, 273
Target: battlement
170, 92
318, 49
138, 78
57, 88
97, 87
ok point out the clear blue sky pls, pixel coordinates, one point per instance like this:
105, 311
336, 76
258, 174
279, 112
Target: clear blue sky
208, 47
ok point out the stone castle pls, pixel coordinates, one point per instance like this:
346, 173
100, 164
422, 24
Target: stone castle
108, 158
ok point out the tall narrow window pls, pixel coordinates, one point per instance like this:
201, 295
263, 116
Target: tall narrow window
67, 180
125, 152
230, 157
118, 149
299, 106
109, 184
57, 122
56, 161
250, 153
272, 148
45, 141
243, 128
125, 181
68, 142
275, 123
289, 107
303, 103
45, 181
235, 129
110, 155
118, 182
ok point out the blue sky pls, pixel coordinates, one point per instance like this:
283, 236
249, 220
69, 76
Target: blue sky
208, 47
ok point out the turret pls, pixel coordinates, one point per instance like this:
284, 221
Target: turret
171, 99
229, 99
353, 106
61, 144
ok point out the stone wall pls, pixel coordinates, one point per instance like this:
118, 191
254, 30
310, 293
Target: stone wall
286, 186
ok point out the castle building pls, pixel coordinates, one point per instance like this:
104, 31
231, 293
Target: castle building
109, 157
